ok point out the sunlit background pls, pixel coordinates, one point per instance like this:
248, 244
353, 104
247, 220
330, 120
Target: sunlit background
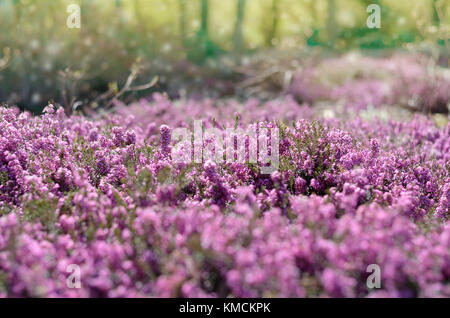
192, 46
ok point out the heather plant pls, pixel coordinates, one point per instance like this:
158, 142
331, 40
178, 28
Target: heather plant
410, 81
106, 195
325, 175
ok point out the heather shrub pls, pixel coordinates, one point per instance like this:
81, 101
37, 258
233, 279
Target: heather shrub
105, 194
410, 81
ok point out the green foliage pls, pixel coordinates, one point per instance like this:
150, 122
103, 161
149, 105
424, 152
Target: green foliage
3, 177
43, 211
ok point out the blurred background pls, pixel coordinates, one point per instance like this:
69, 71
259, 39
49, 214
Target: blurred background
127, 49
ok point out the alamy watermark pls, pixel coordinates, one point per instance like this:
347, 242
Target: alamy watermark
374, 279
74, 279
258, 144
374, 19
74, 19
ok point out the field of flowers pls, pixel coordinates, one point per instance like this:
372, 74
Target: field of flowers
411, 81
106, 195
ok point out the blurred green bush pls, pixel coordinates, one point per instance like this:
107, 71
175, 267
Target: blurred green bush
184, 41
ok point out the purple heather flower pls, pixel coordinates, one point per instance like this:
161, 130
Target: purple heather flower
165, 139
